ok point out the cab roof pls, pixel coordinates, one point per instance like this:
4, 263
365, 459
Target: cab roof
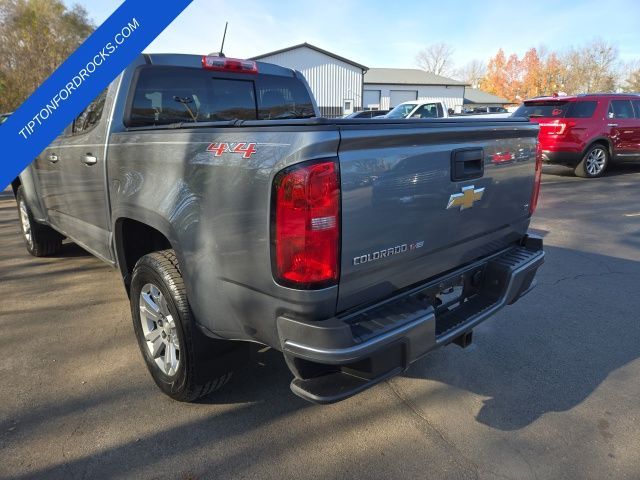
195, 61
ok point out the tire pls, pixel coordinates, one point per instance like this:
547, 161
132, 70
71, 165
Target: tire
40, 240
594, 163
186, 364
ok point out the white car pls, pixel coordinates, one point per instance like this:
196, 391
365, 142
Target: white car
419, 109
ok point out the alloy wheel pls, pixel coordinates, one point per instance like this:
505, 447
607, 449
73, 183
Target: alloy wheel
159, 329
26, 224
596, 161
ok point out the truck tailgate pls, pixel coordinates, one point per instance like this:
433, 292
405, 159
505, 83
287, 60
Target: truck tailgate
405, 215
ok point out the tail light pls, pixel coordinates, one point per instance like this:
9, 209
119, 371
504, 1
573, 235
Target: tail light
224, 64
536, 181
559, 127
305, 229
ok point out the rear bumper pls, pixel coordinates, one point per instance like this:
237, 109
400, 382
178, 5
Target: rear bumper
339, 357
570, 159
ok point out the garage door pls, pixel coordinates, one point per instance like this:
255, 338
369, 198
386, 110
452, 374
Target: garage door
371, 99
399, 96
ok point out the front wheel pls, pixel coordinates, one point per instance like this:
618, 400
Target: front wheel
182, 361
594, 163
40, 240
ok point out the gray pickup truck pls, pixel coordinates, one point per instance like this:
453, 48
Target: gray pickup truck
236, 214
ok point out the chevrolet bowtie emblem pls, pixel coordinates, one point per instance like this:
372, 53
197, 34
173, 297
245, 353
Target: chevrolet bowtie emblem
466, 199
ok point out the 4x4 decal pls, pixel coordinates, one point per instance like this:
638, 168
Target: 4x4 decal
246, 149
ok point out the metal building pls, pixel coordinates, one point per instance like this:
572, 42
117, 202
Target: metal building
474, 98
384, 88
335, 81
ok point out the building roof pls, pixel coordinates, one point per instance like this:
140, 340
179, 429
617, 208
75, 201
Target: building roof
312, 47
473, 95
407, 76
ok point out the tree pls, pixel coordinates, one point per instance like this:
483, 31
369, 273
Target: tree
513, 76
631, 74
494, 81
591, 68
553, 73
36, 36
436, 58
532, 66
542, 73
472, 73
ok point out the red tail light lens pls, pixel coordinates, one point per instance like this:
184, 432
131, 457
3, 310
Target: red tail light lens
224, 64
537, 180
306, 225
559, 127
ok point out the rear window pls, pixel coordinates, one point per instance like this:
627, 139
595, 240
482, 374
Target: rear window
165, 95
581, 109
546, 109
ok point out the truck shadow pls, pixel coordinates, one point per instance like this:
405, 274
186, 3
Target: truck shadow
552, 349
266, 367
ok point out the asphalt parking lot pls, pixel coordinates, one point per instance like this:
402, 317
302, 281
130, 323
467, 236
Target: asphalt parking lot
550, 389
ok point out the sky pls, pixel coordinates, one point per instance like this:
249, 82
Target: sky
390, 33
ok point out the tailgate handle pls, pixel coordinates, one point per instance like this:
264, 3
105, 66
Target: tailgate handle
467, 164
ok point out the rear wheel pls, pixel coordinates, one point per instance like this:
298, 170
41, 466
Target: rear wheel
183, 362
594, 163
40, 240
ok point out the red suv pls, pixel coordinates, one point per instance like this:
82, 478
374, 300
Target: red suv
586, 132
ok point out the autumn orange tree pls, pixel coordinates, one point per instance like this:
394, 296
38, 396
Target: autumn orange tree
533, 81
504, 76
536, 73
594, 67
494, 81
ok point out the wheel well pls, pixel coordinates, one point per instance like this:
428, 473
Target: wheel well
14, 186
134, 240
604, 143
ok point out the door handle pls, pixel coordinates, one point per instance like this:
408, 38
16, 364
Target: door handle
53, 158
612, 124
89, 159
